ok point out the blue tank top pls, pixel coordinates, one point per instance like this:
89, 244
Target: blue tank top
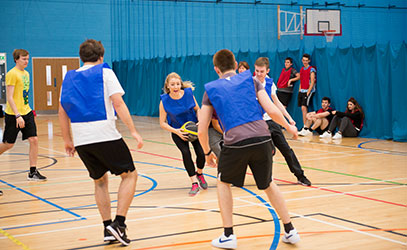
234, 100
180, 111
82, 94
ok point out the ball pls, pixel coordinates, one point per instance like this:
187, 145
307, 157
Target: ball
192, 129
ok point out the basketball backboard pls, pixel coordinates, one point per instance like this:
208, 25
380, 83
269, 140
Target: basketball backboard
319, 20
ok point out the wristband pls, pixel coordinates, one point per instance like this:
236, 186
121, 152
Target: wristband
210, 151
18, 116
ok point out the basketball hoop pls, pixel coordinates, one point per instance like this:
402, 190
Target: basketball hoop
329, 35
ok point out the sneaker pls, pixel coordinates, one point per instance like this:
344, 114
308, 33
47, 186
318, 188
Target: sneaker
225, 242
119, 232
202, 181
307, 132
301, 131
325, 135
108, 236
1, 193
194, 189
337, 136
36, 176
292, 237
304, 181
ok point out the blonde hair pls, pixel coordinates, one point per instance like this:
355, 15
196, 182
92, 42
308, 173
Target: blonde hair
184, 85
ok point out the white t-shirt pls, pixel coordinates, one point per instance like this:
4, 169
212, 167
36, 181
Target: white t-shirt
99, 131
266, 117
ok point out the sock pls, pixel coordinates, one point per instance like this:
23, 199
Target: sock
288, 227
32, 169
194, 183
121, 220
305, 128
310, 129
107, 222
329, 132
198, 174
228, 231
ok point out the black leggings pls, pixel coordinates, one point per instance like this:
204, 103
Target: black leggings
183, 146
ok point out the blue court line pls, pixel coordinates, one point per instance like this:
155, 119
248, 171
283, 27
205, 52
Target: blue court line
44, 224
276, 237
380, 151
148, 190
42, 199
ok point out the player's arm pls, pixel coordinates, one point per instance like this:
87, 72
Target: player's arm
275, 113
294, 79
124, 115
216, 126
206, 117
311, 86
66, 131
280, 106
322, 115
166, 126
10, 92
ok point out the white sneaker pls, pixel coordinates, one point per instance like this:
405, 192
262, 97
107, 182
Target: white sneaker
292, 237
337, 136
325, 135
225, 242
301, 131
307, 132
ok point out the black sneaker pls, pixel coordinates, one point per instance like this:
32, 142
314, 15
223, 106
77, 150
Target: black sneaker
108, 237
36, 176
304, 181
118, 232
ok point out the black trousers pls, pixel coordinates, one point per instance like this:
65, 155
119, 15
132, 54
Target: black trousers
183, 146
281, 143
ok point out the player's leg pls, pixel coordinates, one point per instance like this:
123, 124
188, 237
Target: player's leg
200, 164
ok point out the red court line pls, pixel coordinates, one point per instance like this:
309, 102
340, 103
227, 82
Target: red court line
268, 235
320, 188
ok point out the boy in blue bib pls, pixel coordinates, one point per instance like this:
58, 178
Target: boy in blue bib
90, 98
247, 141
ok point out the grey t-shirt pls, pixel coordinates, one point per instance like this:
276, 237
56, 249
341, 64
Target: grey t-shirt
245, 131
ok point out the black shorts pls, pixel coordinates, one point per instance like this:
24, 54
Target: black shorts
113, 156
233, 164
284, 97
304, 100
11, 131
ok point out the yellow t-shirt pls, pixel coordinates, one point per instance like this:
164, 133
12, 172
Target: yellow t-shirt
21, 82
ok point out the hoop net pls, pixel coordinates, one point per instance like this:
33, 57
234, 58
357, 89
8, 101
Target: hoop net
329, 35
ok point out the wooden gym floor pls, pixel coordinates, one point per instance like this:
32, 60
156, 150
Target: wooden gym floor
358, 198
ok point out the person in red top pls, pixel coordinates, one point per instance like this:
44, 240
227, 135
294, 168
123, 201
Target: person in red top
307, 87
349, 123
286, 82
319, 120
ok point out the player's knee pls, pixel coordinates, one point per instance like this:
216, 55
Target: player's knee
33, 140
9, 145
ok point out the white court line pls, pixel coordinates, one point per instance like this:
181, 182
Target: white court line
241, 198
332, 224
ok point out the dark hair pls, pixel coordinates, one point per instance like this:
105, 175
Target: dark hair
307, 56
357, 106
244, 64
326, 99
289, 59
91, 50
19, 52
224, 60
262, 61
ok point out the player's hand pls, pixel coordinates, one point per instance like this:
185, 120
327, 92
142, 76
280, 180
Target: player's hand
293, 130
292, 122
139, 139
69, 149
183, 135
211, 160
20, 123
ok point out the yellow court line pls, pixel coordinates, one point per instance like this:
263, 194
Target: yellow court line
25, 247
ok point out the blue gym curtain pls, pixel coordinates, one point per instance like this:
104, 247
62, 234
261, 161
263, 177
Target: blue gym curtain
374, 75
